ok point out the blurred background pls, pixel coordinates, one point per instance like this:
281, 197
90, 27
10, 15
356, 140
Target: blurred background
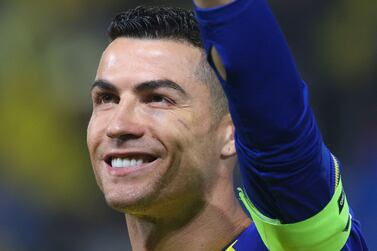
49, 52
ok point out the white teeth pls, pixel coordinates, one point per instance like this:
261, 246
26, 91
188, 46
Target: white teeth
133, 162
124, 162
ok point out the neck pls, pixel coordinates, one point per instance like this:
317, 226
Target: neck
208, 226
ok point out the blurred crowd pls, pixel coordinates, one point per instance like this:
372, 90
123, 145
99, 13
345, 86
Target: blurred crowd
49, 52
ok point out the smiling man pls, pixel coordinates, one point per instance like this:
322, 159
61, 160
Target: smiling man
163, 143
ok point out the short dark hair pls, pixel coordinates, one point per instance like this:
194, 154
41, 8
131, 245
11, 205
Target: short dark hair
171, 23
157, 23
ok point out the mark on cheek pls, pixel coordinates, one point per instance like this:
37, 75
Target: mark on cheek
184, 124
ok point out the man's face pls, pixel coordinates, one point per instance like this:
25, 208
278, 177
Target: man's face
151, 136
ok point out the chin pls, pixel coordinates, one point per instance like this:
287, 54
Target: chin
127, 202
116, 204
119, 202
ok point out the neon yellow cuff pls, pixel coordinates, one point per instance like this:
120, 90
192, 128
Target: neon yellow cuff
328, 230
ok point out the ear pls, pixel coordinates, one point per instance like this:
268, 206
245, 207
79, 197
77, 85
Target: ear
229, 148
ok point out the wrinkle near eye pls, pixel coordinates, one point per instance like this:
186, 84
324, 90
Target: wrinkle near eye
183, 123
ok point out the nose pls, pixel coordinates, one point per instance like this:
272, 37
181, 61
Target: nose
125, 123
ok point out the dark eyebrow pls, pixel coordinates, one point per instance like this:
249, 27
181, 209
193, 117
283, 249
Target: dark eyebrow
160, 83
104, 85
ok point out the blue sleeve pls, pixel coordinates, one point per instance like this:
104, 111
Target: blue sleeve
279, 146
287, 170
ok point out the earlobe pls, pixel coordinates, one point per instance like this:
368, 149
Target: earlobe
229, 148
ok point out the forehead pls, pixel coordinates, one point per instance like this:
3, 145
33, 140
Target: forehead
136, 60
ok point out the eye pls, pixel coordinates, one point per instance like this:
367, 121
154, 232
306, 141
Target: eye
158, 98
105, 98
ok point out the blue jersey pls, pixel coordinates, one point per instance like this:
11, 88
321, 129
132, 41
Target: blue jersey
292, 186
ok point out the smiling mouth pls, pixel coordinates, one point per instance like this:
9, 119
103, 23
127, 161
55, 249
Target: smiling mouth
129, 162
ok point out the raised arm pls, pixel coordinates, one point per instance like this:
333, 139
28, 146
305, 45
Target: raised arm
275, 129
288, 173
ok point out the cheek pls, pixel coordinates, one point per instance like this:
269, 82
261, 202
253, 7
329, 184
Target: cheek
192, 139
198, 140
95, 131
94, 138
192, 130
90, 133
